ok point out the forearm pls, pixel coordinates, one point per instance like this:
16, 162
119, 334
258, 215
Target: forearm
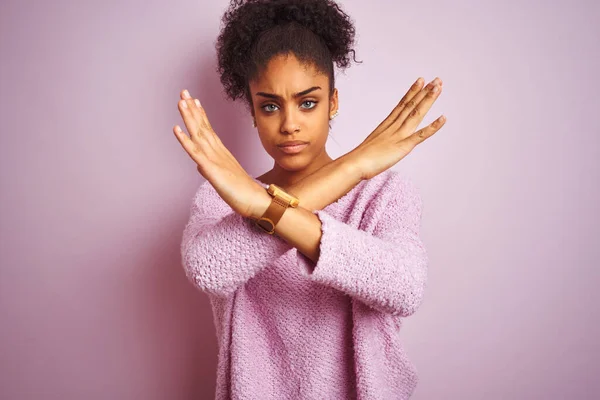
386, 268
328, 184
299, 226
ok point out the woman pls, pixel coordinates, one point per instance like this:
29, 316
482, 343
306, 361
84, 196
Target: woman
312, 310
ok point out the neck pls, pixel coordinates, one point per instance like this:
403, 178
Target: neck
285, 178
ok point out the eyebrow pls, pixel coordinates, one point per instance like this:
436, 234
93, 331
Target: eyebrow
295, 95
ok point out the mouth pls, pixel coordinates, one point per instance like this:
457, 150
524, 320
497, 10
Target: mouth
294, 148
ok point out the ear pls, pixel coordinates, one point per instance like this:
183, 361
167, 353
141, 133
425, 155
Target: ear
333, 102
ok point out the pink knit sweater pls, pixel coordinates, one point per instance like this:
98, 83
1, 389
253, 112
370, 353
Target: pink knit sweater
286, 333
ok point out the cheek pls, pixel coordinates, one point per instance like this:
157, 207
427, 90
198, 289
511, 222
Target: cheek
322, 139
267, 140
322, 126
269, 137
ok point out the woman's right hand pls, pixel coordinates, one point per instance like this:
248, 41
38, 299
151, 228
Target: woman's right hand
395, 137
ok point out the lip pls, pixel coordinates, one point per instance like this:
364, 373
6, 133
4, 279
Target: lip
292, 143
293, 149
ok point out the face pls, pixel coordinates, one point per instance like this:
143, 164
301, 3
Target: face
291, 102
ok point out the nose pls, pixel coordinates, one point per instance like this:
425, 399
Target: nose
290, 123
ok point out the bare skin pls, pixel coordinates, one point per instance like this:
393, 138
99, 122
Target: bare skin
292, 117
311, 175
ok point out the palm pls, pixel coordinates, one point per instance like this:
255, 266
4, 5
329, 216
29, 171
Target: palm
214, 161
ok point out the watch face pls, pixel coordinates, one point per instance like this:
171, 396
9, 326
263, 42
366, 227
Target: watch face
266, 225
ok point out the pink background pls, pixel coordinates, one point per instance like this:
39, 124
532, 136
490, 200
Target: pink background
95, 191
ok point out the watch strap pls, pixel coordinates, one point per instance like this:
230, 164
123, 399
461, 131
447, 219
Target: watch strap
273, 214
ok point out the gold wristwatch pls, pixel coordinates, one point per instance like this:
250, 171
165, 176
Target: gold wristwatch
280, 202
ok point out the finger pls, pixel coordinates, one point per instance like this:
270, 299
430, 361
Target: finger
414, 89
191, 148
198, 112
190, 113
190, 122
415, 110
425, 133
183, 139
415, 117
194, 105
203, 116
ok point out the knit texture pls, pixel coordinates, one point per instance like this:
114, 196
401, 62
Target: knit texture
289, 328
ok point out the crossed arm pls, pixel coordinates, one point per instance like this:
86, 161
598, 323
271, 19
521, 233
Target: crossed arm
386, 269
299, 226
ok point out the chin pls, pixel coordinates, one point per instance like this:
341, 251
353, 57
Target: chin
292, 166
293, 163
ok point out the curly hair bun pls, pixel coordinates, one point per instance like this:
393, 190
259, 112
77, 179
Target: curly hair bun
315, 31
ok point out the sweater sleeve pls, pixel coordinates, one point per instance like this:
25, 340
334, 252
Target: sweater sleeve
220, 249
386, 270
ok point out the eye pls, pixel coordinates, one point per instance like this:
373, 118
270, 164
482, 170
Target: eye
314, 103
267, 109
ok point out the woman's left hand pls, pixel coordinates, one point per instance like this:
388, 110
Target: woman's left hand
215, 162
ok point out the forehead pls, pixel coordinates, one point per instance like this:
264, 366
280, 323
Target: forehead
285, 75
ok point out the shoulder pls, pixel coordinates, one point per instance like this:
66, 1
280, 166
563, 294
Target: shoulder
204, 192
394, 201
206, 200
406, 189
392, 185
